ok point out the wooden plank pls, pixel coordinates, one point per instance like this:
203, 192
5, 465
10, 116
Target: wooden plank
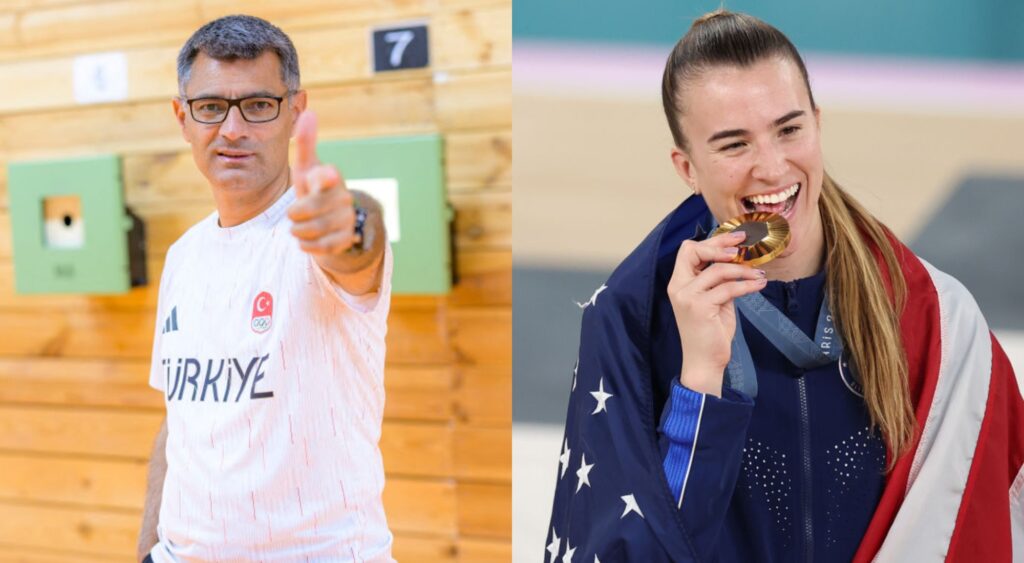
418, 548
478, 161
483, 396
10, 554
485, 278
412, 505
90, 531
123, 24
473, 38
480, 336
30, 532
420, 449
417, 449
419, 393
392, 107
102, 25
485, 510
12, 6
413, 393
299, 14
483, 453
67, 382
95, 483
483, 220
49, 83
82, 432
478, 100
415, 336
484, 551
420, 506
8, 27
463, 40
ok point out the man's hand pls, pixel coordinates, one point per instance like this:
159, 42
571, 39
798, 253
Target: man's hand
324, 218
323, 212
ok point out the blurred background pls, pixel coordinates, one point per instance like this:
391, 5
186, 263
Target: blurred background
77, 417
922, 109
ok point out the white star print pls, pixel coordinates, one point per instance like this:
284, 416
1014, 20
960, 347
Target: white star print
569, 550
631, 506
601, 397
593, 298
575, 369
583, 473
596, 560
555, 544
563, 460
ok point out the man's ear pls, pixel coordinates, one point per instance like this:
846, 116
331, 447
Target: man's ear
180, 107
298, 105
684, 168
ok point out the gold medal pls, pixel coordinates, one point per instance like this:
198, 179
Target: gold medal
767, 236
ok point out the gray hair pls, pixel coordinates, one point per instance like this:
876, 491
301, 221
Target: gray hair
239, 37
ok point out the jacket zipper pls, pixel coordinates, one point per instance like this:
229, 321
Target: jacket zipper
805, 449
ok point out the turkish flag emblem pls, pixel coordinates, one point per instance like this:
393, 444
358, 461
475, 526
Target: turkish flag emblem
262, 312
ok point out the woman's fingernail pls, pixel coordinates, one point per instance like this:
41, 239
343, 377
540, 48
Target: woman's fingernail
738, 234
762, 273
731, 250
762, 281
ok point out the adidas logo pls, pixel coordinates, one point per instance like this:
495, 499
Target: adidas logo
171, 324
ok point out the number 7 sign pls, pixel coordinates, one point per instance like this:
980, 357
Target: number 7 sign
400, 47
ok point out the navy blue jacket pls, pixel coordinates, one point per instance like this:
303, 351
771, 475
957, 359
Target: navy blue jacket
793, 474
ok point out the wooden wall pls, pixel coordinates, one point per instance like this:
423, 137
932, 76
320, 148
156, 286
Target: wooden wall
77, 418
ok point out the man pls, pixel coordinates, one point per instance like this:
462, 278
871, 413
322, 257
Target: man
269, 344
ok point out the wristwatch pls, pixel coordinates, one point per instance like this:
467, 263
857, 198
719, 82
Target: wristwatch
358, 229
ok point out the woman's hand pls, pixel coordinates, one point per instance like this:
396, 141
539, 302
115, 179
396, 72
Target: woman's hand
702, 299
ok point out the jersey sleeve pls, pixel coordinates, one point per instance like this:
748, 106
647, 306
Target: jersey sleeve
701, 437
370, 303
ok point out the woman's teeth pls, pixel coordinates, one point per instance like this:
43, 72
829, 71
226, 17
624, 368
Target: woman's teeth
774, 203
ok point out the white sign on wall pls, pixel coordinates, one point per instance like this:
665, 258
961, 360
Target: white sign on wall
100, 77
385, 191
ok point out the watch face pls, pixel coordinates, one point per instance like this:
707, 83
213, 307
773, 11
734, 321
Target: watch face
767, 236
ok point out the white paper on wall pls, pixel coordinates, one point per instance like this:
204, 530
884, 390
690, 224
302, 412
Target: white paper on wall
100, 77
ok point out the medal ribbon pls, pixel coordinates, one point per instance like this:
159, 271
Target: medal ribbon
787, 338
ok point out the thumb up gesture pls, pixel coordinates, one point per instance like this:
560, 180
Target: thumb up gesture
324, 218
323, 214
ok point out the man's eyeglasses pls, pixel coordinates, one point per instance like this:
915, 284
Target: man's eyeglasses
255, 109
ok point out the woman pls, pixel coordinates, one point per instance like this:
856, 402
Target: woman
845, 401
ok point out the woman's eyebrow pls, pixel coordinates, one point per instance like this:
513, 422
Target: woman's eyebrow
791, 115
740, 132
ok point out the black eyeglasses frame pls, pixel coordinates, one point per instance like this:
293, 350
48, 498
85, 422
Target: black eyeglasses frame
236, 102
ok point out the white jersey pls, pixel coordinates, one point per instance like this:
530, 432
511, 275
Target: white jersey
273, 378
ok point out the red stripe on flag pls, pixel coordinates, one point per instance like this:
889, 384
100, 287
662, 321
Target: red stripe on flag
920, 330
982, 530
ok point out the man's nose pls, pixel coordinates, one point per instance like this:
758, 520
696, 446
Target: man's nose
234, 125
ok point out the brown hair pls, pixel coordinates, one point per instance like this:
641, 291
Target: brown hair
866, 316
